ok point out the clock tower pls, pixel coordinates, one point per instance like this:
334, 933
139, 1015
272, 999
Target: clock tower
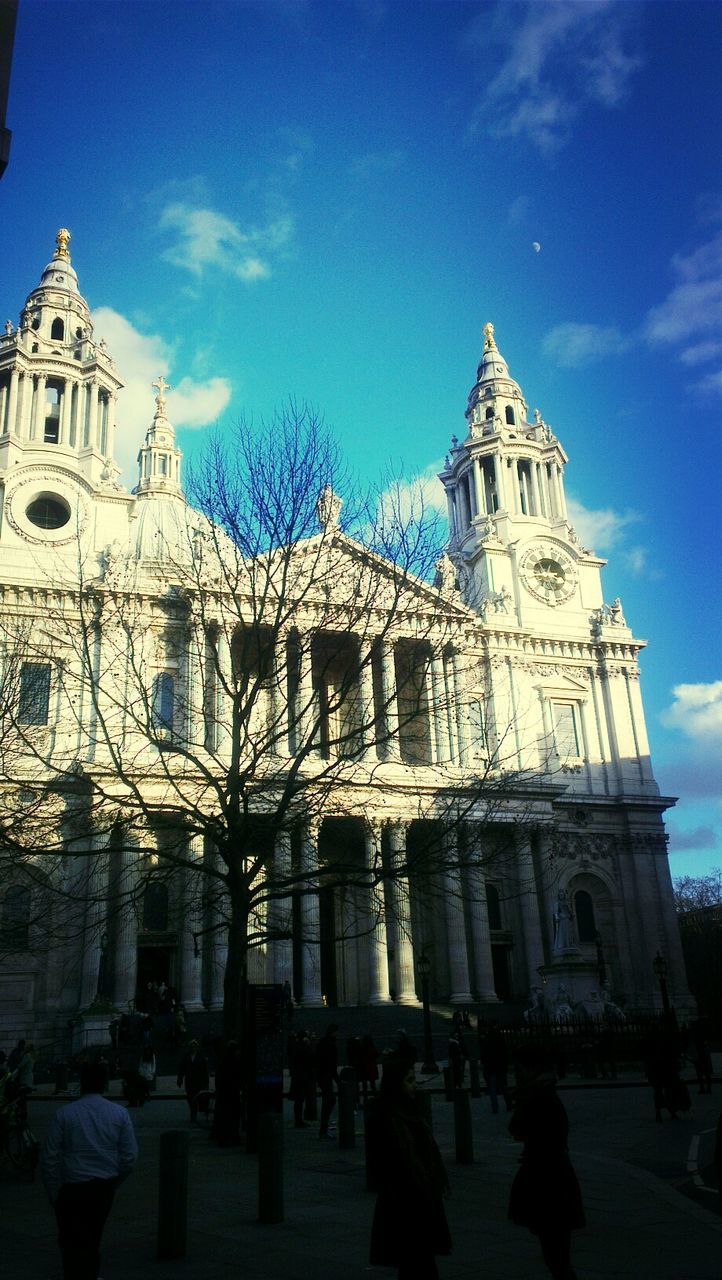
511, 541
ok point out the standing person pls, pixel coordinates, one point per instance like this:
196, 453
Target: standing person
405, 1048
327, 1075
15, 1056
229, 1080
301, 1067
457, 1058
545, 1194
409, 1225
369, 1064
89, 1151
146, 1074
193, 1072
492, 1053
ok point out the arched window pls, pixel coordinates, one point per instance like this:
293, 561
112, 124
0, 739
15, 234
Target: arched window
493, 907
584, 908
490, 412
155, 907
15, 923
57, 330
163, 700
510, 416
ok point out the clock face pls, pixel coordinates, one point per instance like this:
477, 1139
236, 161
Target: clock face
548, 574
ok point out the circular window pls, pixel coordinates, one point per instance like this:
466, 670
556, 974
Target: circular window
47, 512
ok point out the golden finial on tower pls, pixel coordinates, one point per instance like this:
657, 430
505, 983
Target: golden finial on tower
62, 240
489, 343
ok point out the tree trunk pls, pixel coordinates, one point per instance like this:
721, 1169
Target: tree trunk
236, 975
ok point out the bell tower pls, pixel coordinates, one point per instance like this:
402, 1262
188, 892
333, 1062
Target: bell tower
511, 542
58, 387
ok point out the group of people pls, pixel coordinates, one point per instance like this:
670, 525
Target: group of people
17, 1073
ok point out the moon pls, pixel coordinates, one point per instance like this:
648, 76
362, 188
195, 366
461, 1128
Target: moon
536, 246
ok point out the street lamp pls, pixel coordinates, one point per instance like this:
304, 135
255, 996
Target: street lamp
428, 1066
660, 967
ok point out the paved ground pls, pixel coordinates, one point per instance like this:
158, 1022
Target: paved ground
648, 1218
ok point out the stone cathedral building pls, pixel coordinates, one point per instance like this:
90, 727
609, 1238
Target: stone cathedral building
525, 665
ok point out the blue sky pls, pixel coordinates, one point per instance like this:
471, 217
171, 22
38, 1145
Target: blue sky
330, 199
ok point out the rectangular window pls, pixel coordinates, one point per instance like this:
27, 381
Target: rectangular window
34, 700
566, 730
163, 704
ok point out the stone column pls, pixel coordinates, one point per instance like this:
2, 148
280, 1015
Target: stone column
376, 943
125, 950
96, 891
461, 708
535, 495
312, 995
479, 501
500, 481
455, 926
366, 699
440, 709
279, 696
13, 401
25, 403
451, 507
224, 699
65, 403
194, 674
559, 475
280, 913
191, 932
110, 433
398, 907
305, 703
529, 905
390, 708
479, 920
93, 414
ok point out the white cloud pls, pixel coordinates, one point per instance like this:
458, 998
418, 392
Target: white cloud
697, 712
701, 837
572, 345
554, 61
206, 238
139, 359
689, 317
601, 529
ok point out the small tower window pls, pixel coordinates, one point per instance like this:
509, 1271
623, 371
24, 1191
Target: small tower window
57, 330
490, 412
510, 416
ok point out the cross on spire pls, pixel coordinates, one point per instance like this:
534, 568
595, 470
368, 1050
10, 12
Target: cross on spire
162, 386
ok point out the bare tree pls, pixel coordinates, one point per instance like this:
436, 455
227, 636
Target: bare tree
200, 705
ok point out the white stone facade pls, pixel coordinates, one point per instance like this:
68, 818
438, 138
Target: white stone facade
523, 669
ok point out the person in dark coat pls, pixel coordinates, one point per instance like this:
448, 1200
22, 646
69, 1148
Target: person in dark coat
193, 1072
327, 1075
405, 1048
545, 1195
409, 1227
493, 1057
226, 1127
368, 1065
303, 1076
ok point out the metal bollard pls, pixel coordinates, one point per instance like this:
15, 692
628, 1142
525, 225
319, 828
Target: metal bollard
474, 1078
462, 1128
423, 1101
270, 1167
449, 1084
173, 1194
346, 1106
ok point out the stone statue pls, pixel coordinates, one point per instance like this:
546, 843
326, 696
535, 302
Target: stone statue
564, 939
8, 326
328, 508
564, 1007
445, 579
535, 1012
616, 617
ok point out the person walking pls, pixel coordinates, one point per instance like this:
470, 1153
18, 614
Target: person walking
327, 1075
545, 1194
301, 1068
193, 1072
146, 1075
226, 1127
493, 1057
90, 1149
409, 1227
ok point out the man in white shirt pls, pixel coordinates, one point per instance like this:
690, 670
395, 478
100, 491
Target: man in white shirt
89, 1151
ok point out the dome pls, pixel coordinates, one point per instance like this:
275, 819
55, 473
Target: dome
162, 530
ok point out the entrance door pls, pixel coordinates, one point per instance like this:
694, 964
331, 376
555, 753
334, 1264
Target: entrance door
155, 964
500, 965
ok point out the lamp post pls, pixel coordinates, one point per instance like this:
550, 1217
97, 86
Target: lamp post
659, 965
428, 1066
